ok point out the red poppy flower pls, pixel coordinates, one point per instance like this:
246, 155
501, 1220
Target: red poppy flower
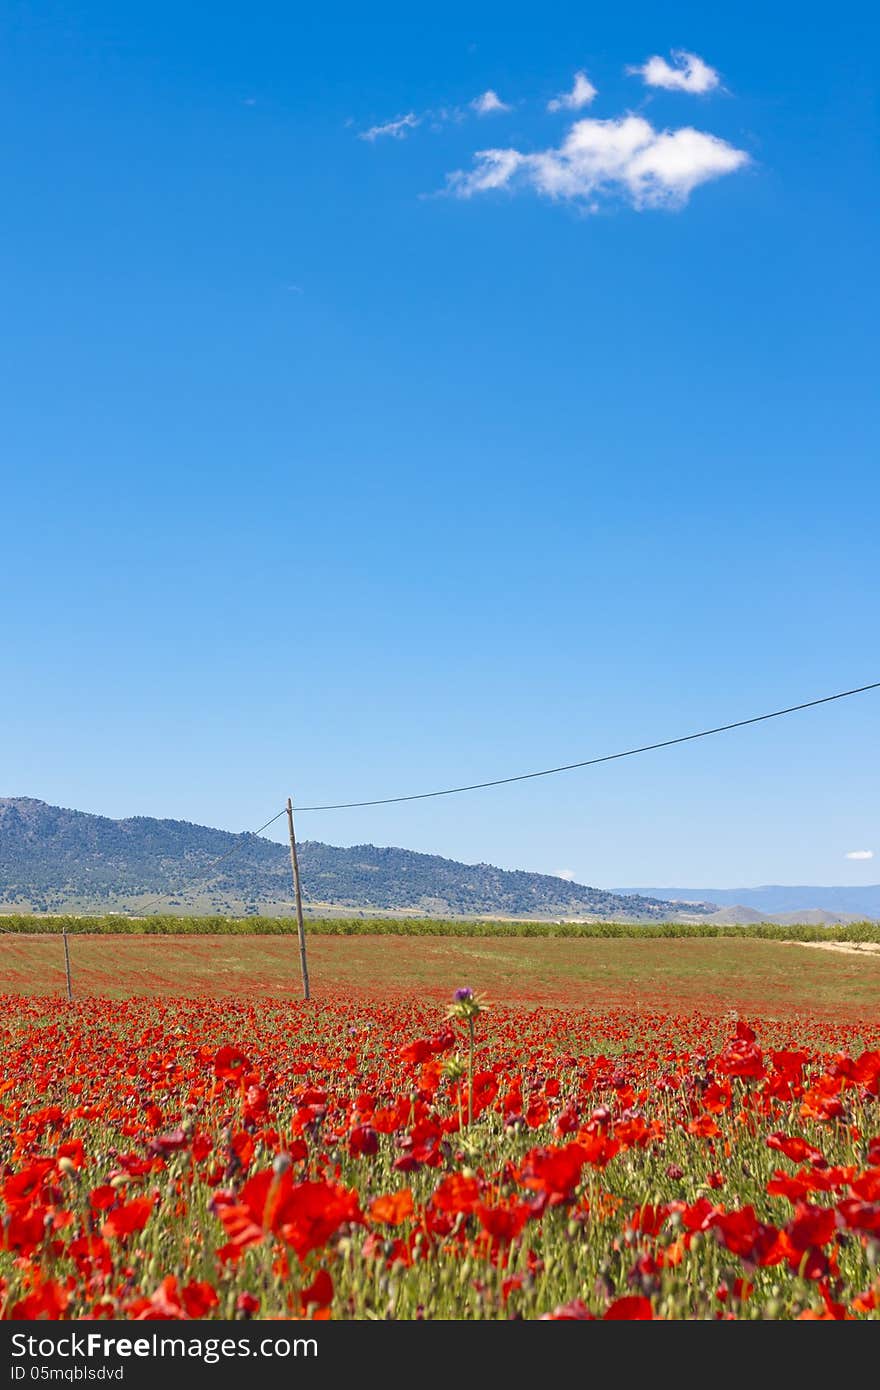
860, 1216
319, 1293
811, 1226
567, 1121
363, 1141
503, 1223
73, 1149
822, 1101
103, 1198
485, 1091
555, 1171
128, 1219
425, 1146
456, 1194
242, 1145
704, 1127
741, 1057
699, 1215
393, 1209
744, 1235
598, 1148
794, 1147
91, 1255
784, 1185
21, 1188
868, 1185
22, 1230
305, 1214
230, 1063
538, 1112
649, 1220
47, 1299
717, 1097
629, 1309
198, 1298
790, 1065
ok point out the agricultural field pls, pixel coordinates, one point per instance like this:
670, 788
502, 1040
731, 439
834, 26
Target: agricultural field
753, 975
632, 1130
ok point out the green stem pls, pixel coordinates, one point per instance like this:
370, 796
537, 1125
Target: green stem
470, 1073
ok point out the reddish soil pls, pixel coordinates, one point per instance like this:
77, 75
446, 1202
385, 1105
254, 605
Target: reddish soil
772, 978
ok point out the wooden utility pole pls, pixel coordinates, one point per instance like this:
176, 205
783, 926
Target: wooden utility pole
67, 962
294, 864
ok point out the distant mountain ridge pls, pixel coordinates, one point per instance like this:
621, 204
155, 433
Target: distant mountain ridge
52, 859
774, 899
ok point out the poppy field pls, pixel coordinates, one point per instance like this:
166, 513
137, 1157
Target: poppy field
387, 1158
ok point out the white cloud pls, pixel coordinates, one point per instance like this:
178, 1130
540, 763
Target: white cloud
686, 73
581, 94
396, 129
860, 854
624, 157
488, 104
567, 874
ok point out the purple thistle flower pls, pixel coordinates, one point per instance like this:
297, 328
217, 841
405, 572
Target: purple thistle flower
462, 995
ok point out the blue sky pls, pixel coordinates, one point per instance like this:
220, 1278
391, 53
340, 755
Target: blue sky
350, 463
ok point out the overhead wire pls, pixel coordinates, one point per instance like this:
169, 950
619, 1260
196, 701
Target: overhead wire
593, 762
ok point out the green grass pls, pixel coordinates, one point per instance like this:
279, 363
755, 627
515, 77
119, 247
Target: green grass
113, 925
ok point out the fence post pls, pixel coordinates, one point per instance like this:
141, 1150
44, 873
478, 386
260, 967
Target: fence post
67, 963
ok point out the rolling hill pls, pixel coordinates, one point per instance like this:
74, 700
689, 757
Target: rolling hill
52, 860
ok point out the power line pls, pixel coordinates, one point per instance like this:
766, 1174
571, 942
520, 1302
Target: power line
591, 762
244, 836
242, 839
528, 776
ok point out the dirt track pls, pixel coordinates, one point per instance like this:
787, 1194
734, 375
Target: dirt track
849, 948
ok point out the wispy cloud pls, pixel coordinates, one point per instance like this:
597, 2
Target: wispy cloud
626, 158
489, 104
860, 854
397, 129
567, 874
686, 73
581, 94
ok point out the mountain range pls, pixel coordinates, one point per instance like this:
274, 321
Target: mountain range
52, 860
777, 899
